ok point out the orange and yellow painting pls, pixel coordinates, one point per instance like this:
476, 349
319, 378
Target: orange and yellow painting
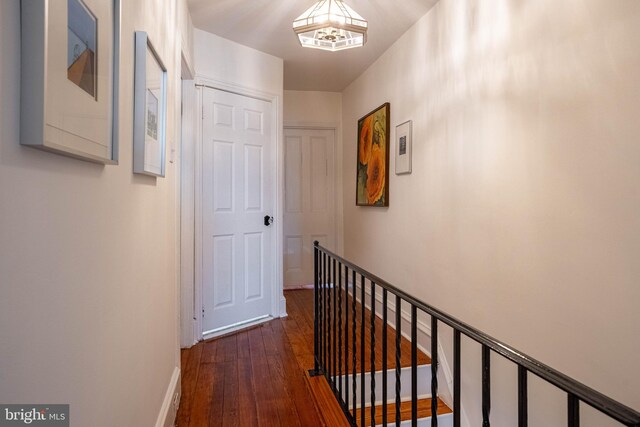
372, 187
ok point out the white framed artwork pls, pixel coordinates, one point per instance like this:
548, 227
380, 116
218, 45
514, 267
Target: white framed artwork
150, 109
69, 85
403, 148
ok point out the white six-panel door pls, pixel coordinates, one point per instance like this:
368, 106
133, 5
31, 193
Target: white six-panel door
309, 212
237, 173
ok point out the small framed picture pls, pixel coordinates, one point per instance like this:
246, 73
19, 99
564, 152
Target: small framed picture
403, 148
150, 107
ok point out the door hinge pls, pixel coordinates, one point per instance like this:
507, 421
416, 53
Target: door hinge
203, 311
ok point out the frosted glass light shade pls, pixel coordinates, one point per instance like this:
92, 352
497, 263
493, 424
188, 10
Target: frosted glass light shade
331, 25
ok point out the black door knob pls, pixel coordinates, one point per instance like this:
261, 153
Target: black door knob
268, 220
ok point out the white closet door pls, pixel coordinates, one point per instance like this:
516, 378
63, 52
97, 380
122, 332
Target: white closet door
309, 212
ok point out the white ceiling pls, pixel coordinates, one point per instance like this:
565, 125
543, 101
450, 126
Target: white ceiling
266, 25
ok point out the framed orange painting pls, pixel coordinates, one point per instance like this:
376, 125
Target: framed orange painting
372, 185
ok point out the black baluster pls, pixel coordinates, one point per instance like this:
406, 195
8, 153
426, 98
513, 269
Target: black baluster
373, 353
523, 416
486, 386
316, 312
323, 338
340, 376
362, 362
335, 325
434, 372
354, 383
384, 356
346, 337
414, 366
398, 357
573, 404
456, 377
329, 321
325, 362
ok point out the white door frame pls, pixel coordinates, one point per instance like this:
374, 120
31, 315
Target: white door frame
337, 179
278, 303
186, 187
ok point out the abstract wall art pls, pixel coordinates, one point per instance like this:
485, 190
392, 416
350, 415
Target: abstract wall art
372, 185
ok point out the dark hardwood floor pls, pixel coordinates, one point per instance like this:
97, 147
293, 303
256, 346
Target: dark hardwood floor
258, 377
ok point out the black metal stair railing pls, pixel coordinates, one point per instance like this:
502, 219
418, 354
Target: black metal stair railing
331, 293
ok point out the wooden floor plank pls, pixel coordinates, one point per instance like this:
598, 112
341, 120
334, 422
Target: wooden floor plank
190, 362
331, 412
283, 399
246, 391
209, 350
227, 349
264, 392
243, 345
294, 380
201, 407
216, 408
301, 348
231, 414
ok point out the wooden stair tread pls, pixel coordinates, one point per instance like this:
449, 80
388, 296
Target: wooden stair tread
424, 411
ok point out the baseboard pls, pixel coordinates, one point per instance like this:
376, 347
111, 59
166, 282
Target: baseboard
167, 415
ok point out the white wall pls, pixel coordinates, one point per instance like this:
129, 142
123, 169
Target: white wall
309, 108
313, 109
185, 24
88, 312
521, 214
232, 63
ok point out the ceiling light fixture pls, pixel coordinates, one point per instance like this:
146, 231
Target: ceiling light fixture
331, 25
